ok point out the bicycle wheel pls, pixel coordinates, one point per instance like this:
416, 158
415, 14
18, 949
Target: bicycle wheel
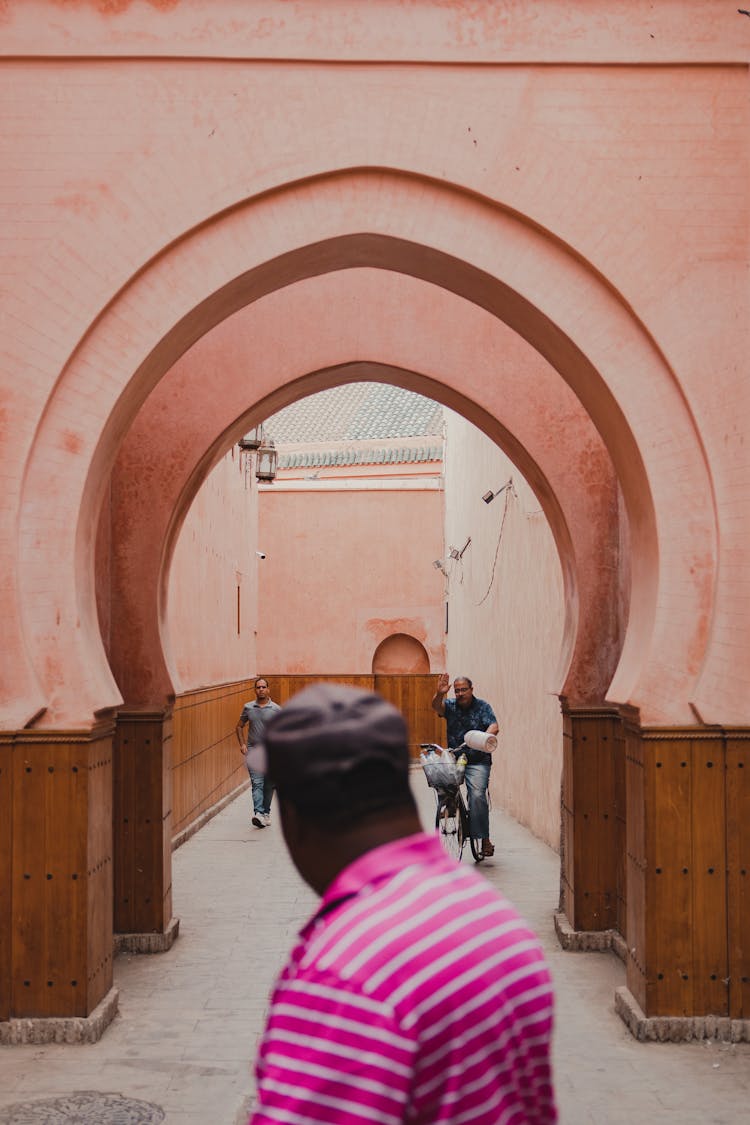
450, 826
476, 849
474, 843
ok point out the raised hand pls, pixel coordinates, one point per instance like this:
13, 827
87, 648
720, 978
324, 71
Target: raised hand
444, 683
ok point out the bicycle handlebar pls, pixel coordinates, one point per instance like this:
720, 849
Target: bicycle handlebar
434, 746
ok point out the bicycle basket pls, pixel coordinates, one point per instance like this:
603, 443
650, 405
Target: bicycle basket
442, 774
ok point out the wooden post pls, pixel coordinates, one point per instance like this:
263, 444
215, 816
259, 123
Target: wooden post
142, 819
738, 871
678, 906
593, 817
56, 896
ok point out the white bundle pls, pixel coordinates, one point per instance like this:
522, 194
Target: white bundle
481, 740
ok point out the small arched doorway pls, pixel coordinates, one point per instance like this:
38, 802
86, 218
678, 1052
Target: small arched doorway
400, 654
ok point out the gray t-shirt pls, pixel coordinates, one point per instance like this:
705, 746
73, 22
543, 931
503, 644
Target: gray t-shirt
257, 717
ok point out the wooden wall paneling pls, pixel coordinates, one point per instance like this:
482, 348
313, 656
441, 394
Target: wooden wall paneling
686, 876
738, 871
620, 920
637, 850
207, 765
587, 842
29, 994
61, 941
123, 825
709, 959
412, 695
567, 865
6, 838
143, 861
604, 831
100, 906
167, 815
65, 783
284, 686
669, 901
150, 876
590, 805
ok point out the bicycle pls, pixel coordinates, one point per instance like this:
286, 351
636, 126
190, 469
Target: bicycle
451, 814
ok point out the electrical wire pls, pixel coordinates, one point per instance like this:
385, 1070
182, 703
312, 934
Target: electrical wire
508, 492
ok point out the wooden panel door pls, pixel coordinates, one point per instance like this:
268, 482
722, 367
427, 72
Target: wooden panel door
412, 695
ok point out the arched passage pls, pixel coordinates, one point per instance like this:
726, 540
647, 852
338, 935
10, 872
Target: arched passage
605, 367
539, 216
162, 460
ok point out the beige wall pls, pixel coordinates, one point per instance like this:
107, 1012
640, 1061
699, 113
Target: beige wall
508, 639
344, 569
214, 556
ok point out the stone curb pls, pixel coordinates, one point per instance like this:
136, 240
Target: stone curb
148, 943
587, 941
677, 1029
182, 837
62, 1029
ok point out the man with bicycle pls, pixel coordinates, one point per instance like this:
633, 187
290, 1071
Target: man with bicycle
464, 713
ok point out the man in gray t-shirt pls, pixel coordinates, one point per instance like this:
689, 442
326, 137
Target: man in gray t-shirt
255, 715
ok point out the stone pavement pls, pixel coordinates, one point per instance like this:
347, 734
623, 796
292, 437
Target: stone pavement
180, 1049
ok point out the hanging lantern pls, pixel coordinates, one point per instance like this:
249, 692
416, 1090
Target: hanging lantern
252, 440
267, 458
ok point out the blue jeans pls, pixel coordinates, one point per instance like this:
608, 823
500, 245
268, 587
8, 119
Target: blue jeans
263, 791
477, 779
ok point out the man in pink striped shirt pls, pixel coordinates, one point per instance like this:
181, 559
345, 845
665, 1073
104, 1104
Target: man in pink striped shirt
415, 992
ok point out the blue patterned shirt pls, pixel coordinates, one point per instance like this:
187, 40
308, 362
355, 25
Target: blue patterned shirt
460, 720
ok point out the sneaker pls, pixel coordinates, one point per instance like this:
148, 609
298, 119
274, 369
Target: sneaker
258, 820
266, 818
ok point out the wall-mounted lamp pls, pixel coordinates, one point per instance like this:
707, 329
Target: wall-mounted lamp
490, 496
267, 459
455, 553
252, 440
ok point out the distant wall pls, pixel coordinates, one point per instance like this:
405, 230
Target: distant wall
344, 570
212, 600
505, 622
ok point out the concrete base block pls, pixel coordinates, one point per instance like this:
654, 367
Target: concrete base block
148, 943
585, 941
677, 1029
61, 1029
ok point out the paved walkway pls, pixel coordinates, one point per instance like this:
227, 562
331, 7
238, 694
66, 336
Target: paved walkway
189, 1020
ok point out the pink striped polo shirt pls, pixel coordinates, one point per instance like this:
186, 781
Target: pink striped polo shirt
415, 994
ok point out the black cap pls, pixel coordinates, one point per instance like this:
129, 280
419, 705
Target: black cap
332, 744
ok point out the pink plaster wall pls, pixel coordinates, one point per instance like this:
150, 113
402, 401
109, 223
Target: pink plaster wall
214, 558
344, 570
592, 194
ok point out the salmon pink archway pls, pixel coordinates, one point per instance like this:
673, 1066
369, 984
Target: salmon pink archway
186, 165
366, 312
458, 242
